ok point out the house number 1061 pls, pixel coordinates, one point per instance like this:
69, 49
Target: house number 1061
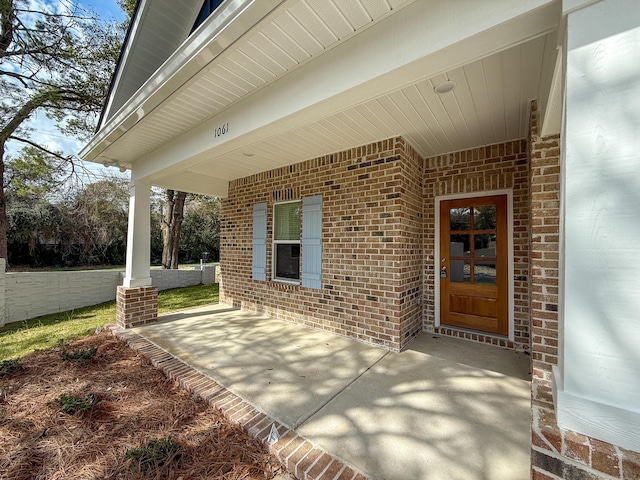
221, 130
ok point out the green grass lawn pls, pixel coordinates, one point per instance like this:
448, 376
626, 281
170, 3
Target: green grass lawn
19, 338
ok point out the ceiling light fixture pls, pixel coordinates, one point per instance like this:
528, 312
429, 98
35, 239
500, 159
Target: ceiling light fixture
445, 87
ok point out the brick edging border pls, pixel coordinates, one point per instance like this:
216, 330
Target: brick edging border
299, 456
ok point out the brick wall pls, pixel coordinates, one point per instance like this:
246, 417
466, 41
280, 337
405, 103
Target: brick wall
25, 295
494, 167
31, 294
411, 255
371, 260
545, 238
167, 279
136, 306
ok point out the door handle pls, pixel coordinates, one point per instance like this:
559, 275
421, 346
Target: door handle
443, 272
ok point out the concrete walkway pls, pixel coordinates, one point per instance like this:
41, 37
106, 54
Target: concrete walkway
443, 409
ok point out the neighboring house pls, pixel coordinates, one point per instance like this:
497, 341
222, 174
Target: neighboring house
469, 168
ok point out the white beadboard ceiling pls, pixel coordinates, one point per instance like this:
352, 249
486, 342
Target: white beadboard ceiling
305, 30
166, 26
489, 104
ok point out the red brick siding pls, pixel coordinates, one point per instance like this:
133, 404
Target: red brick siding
494, 167
136, 306
370, 261
545, 238
411, 247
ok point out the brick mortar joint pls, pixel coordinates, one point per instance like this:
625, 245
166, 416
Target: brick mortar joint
569, 461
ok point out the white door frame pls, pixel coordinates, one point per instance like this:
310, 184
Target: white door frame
510, 271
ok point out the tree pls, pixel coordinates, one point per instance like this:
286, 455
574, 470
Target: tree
99, 215
80, 226
34, 224
171, 225
128, 6
200, 237
31, 174
57, 58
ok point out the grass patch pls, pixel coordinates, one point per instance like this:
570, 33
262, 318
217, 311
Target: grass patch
73, 405
20, 338
154, 454
179, 298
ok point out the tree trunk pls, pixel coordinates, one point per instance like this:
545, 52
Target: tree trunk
171, 225
4, 223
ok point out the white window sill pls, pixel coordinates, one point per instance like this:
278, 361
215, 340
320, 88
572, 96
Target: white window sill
286, 281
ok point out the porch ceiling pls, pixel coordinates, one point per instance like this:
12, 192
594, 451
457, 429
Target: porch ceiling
183, 94
489, 104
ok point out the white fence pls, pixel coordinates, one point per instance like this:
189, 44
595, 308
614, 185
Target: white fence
27, 295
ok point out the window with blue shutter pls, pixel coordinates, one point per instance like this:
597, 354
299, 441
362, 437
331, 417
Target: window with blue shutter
259, 263
286, 241
312, 242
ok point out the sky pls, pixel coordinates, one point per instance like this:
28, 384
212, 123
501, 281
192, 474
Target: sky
104, 8
43, 128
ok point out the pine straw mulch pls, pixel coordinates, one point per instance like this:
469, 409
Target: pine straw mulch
134, 405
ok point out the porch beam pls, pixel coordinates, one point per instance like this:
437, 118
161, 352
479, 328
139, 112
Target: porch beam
195, 183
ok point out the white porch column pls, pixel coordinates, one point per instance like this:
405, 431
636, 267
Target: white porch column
137, 273
597, 383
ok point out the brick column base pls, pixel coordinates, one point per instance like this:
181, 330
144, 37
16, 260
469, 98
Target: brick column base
136, 306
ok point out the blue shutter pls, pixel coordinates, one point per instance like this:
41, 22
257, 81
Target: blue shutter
259, 265
312, 242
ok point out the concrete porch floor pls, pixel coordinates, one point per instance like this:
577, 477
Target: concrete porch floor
442, 409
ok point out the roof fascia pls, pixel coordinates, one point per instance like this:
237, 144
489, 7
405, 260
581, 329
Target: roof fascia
233, 19
127, 47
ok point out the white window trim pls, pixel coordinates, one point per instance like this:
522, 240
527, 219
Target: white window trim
510, 271
275, 242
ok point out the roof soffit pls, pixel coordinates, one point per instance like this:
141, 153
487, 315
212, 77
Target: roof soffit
158, 29
289, 41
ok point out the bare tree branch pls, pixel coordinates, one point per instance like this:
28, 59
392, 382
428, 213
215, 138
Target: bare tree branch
68, 158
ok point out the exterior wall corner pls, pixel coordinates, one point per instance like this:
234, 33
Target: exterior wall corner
136, 306
371, 248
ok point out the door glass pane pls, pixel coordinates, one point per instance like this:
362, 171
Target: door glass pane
460, 218
484, 273
484, 218
460, 270
484, 245
460, 246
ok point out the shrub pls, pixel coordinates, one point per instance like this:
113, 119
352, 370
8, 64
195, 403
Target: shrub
8, 367
76, 405
79, 356
154, 454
